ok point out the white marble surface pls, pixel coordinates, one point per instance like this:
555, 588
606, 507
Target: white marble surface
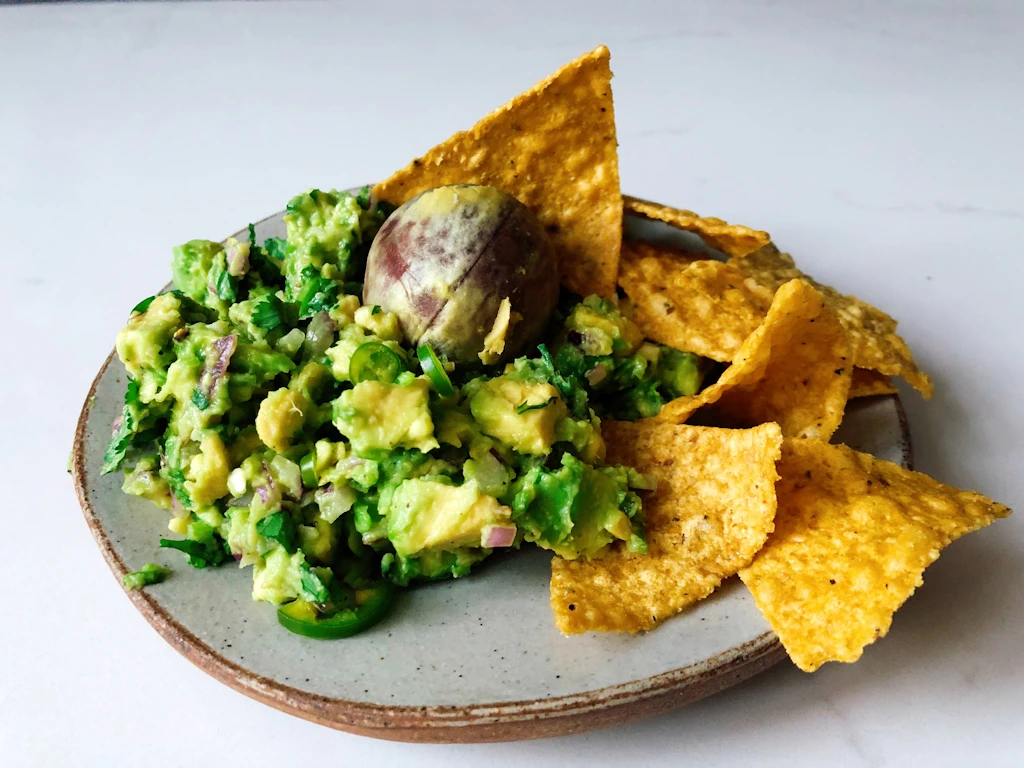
880, 144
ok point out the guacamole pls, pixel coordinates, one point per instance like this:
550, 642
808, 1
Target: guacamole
288, 427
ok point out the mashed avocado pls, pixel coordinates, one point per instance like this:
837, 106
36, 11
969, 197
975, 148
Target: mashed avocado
288, 427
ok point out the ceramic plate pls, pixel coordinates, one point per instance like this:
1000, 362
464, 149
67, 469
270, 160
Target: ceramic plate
477, 659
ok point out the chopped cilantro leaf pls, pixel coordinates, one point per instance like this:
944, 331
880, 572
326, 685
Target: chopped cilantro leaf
569, 388
279, 527
363, 198
142, 306
275, 248
525, 406
200, 553
313, 588
200, 399
113, 457
226, 287
267, 313
319, 294
176, 479
131, 394
376, 310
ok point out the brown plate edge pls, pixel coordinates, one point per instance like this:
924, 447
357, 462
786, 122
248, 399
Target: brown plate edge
501, 721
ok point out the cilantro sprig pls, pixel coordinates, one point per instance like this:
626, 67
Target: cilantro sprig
114, 456
200, 553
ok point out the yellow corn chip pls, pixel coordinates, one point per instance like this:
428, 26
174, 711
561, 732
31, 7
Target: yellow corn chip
876, 345
664, 259
852, 537
552, 147
697, 306
710, 514
794, 370
867, 383
730, 239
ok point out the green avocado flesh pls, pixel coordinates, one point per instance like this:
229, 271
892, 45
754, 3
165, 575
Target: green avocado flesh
286, 426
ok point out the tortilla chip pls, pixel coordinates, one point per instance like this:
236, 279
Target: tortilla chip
852, 537
710, 514
793, 369
661, 256
867, 383
701, 306
552, 147
730, 239
876, 346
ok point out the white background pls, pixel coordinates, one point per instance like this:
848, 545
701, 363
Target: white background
881, 144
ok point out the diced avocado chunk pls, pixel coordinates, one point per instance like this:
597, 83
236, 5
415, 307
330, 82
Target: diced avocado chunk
678, 372
323, 228
260, 362
278, 577
147, 575
199, 269
431, 515
318, 539
375, 416
432, 565
282, 414
330, 466
144, 481
584, 435
575, 511
602, 329
209, 470
239, 531
144, 344
522, 414
383, 325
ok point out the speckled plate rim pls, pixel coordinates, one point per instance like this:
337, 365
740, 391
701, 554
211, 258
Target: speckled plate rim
498, 721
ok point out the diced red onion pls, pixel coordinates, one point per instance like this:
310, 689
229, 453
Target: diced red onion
350, 464
334, 501
223, 349
176, 509
270, 477
288, 477
590, 345
238, 258
117, 425
262, 492
498, 536
319, 334
490, 471
242, 501
597, 374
